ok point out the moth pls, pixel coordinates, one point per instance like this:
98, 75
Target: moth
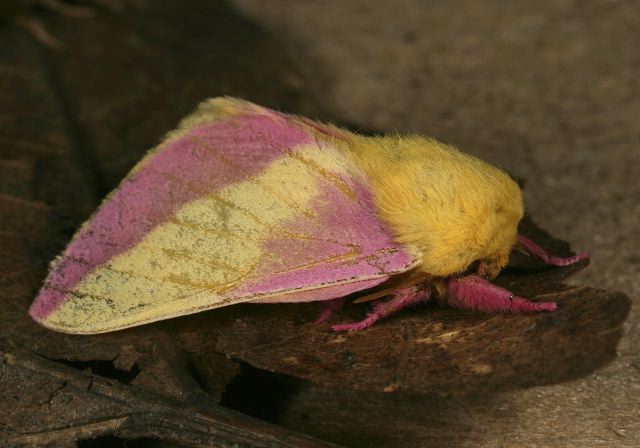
245, 204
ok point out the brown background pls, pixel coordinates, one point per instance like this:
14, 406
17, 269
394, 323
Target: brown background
547, 89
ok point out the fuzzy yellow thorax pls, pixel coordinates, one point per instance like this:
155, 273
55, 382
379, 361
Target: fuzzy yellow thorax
451, 208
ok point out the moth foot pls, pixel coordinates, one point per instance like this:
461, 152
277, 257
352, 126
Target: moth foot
331, 307
354, 326
475, 293
401, 299
538, 252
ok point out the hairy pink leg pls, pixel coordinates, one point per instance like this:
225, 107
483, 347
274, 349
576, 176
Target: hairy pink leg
541, 254
475, 293
401, 299
332, 306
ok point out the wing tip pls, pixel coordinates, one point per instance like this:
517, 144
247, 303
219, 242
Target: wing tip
41, 306
43, 312
35, 311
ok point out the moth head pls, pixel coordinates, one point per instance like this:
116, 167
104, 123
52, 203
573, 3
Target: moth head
455, 211
477, 230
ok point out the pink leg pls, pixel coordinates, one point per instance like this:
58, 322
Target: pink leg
332, 306
401, 299
538, 252
475, 293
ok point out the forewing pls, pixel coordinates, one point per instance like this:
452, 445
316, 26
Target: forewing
239, 204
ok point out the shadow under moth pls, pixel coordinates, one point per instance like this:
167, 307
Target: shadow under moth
245, 204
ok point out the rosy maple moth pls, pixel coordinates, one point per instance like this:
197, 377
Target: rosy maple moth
245, 204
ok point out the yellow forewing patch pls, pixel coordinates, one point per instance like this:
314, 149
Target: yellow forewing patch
209, 246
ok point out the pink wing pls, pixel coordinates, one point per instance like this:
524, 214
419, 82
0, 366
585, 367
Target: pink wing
336, 247
343, 248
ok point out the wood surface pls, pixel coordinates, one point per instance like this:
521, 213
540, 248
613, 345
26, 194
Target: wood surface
75, 119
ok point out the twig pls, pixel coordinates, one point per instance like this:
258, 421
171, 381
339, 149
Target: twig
153, 415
